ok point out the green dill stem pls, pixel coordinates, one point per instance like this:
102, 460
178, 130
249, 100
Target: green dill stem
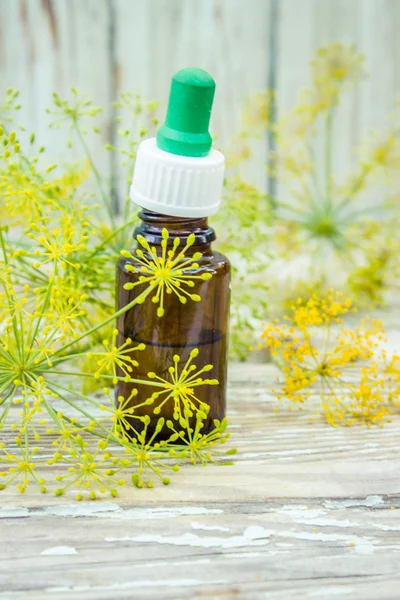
110, 237
95, 172
6, 290
137, 300
313, 176
292, 209
328, 156
131, 380
67, 356
70, 402
6, 356
44, 306
37, 274
55, 387
77, 394
9, 398
6, 380
27, 162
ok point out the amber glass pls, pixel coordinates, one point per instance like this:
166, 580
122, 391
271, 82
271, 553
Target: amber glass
201, 325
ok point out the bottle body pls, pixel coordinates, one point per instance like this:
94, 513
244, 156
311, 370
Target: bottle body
201, 325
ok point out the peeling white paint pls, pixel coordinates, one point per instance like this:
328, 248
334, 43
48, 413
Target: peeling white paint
81, 509
110, 510
359, 544
144, 583
386, 527
331, 591
59, 551
252, 536
320, 522
208, 527
369, 501
193, 562
253, 461
139, 514
283, 545
243, 554
12, 512
280, 453
315, 517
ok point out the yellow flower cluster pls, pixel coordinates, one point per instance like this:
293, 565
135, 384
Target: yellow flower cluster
57, 267
172, 272
346, 367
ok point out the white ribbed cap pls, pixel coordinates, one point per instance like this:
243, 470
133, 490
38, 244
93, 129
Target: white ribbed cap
181, 186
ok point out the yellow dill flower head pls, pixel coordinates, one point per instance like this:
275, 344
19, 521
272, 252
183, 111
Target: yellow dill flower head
200, 447
172, 272
69, 181
337, 63
56, 245
20, 466
256, 112
116, 358
65, 315
90, 472
315, 351
179, 388
380, 156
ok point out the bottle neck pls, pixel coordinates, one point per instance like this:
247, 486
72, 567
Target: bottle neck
178, 227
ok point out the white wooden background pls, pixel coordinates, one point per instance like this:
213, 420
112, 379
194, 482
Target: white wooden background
104, 46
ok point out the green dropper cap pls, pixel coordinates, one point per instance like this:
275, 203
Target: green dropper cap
185, 131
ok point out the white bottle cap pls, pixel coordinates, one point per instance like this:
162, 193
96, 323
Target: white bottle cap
181, 186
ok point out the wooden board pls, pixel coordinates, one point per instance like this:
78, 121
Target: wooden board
305, 26
105, 46
48, 46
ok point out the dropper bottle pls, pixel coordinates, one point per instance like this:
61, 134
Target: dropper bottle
177, 183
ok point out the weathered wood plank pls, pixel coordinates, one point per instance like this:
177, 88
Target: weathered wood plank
221, 36
158, 37
305, 26
48, 46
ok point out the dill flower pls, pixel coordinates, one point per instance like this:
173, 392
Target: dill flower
90, 472
201, 448
322, 215
149, 458
58, 244
337, 63
56, 303
20, 466
243, 225
116, 357
166, 274
46, 339
379, 156
180, 388
315, 350
121, 414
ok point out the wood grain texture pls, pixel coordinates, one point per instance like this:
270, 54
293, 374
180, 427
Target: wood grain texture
105, 46
371, 26
47, 46
307, 511
156, 38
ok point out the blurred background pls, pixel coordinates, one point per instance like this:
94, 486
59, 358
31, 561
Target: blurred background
105, 46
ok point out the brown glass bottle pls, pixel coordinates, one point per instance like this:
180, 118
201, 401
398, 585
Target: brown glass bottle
183, 327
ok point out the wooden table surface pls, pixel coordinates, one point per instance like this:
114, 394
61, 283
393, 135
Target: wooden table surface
307, 511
